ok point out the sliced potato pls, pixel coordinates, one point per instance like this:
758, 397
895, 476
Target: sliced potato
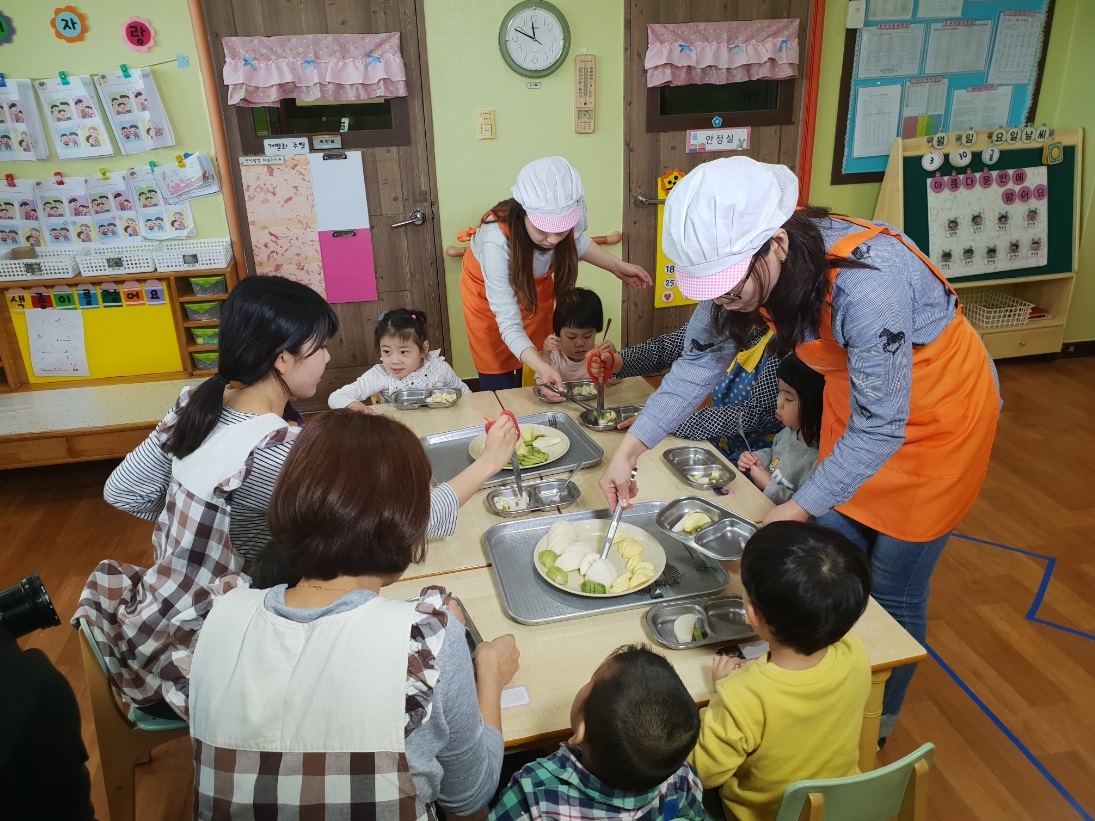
643, 567
633, 561
639, 579
621, 584
630, 547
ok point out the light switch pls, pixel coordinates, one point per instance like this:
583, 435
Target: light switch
487, 128
857, 14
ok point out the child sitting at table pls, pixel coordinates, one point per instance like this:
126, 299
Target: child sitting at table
796, 713
577, 320
633, 725
783, 468
406, 361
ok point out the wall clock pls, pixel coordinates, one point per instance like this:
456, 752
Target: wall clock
534, 38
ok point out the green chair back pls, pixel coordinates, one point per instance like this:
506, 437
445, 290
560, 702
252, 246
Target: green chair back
877, 795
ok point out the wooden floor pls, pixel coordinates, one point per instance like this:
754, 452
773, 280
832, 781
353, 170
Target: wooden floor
1008, 698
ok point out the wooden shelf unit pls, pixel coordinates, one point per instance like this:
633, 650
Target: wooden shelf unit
1052, 291
179, 293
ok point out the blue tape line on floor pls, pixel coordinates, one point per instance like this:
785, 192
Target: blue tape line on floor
1019, 745
1051, 565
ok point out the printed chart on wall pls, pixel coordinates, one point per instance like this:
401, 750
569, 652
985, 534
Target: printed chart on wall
57, 342
76, 125
989, 222
666, 292
926, 66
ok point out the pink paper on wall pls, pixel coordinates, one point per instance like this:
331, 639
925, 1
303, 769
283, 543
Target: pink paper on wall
281, 213
348, 265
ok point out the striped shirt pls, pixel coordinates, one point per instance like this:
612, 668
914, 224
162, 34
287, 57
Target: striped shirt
879, 316
756, 414
139, 486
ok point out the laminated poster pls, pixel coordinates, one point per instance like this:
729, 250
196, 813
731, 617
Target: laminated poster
113, 214
155, 219
135, 110
76, 126
57, 343
21, 134
19, 225
64, 212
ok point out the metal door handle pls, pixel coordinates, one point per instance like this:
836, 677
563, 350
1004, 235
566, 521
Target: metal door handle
643, 201
417, 217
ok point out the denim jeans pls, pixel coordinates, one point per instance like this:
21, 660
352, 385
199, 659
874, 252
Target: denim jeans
900, 582
500, 381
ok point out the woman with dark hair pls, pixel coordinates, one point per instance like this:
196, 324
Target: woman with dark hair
327, 688
524, 251
911, 398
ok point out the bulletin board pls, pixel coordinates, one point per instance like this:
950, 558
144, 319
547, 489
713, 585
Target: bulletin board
909, 200
919, 67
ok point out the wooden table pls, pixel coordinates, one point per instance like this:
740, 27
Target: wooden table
469, 411
558, 658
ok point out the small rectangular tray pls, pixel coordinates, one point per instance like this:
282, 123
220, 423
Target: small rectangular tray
560, 493
568, 388
448, 452
417, 398
529, 599
721, 617
623, 414
723, 540
687, 459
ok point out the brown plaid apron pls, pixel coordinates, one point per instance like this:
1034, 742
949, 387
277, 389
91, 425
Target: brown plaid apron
145, 622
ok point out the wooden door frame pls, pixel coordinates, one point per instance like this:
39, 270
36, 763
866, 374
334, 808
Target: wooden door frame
211, 59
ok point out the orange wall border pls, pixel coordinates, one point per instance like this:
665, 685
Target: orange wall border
811, 85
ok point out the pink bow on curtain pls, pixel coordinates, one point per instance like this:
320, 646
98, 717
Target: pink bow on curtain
681, 54
262, 70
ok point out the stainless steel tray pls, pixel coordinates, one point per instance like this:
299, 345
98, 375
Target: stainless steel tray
724, 539
448, 452
722, 619
547, 495
691, 459
529, 599
421, 397
623, 414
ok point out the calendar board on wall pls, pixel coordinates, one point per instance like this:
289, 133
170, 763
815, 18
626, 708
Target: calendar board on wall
1020, 206
919, 67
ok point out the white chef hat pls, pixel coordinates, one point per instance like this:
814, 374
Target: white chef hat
719, 215
551, 192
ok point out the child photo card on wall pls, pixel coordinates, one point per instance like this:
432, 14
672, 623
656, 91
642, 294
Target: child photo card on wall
19, 225
75, 124
155, 219
135, 110
22, 137
112, 211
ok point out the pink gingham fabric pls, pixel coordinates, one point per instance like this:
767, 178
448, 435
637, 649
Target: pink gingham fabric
556, 225
263, 70
681, 54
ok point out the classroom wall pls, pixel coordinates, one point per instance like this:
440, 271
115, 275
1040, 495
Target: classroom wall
35, 52
1067, 100
467, 73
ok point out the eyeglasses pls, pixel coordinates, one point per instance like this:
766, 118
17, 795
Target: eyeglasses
734, 294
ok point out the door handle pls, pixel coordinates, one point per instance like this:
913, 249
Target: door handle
416, 217
643, 201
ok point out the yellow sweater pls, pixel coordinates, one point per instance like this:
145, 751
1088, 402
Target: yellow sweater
767, 727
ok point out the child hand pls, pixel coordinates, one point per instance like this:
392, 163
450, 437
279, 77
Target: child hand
551, 344
455, 609
723, 666
360, 407
501, 442
498, 661
748, 461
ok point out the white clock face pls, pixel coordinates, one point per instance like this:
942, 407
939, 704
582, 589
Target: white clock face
535, 39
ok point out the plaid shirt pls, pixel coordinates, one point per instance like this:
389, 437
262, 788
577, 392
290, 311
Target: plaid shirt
145, 622
558, 787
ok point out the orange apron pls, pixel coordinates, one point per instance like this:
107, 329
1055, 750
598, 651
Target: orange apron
489, 353
933, 480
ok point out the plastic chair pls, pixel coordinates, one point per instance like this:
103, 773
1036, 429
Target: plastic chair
897, 790
124, 740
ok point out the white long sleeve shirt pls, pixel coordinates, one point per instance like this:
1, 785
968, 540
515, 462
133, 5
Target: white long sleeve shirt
434, 373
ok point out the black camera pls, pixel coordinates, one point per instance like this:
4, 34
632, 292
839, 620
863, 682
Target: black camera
26, 607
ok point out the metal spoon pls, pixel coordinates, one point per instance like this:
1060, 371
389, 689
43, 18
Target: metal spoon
615, 523
556, 493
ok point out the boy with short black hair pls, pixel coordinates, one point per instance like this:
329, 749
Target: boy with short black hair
577, 320
797, 713
633, 724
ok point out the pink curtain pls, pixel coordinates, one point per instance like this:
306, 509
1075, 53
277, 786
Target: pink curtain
680, 54
262, 70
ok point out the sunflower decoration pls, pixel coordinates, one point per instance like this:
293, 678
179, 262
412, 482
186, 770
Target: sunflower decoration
1053, 153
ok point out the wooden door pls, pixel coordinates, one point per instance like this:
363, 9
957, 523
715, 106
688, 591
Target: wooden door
399, 179
649, 154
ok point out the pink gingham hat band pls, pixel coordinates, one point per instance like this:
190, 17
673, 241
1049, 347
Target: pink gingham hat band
556, 225
715, 285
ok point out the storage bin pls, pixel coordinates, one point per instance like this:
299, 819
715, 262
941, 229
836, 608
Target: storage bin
208, 286
992, 309
59, 263
194, 254
203, 311
206, 361
119, 259
205, 336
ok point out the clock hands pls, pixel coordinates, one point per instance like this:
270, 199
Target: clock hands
533, 21
530, 36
